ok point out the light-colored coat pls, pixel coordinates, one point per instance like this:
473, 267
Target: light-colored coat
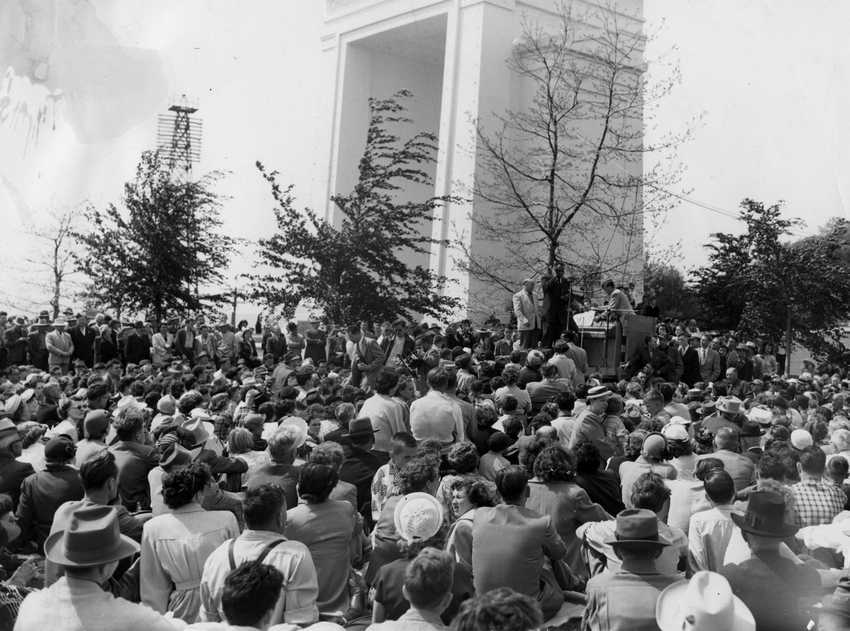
527, 310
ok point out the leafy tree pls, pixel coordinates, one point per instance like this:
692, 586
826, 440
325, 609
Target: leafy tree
772, 287
165, 245
558, 178
352, 270
672, 294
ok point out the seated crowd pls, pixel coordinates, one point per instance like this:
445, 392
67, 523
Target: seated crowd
414, 479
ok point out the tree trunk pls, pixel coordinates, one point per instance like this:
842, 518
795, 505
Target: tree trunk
788, 343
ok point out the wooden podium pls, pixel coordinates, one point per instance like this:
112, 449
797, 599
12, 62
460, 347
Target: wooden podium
607, 348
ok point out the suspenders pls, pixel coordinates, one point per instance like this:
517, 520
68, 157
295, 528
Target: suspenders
263, 553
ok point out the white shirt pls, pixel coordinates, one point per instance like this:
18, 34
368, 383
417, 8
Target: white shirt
708, 536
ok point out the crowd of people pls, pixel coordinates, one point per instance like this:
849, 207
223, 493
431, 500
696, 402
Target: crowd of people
213, 476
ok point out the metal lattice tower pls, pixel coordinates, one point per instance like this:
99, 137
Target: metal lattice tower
178, 137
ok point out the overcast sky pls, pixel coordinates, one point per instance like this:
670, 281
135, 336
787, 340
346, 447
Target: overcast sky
771, 77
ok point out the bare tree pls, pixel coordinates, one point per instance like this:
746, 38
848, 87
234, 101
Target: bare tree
51, 255
564, 178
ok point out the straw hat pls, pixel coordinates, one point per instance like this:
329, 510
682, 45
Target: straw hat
418, 516
705, 603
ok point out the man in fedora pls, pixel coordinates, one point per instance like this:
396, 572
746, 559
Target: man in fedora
137, 345
625, 599
589, 424
89, 550
729, 415
776, 589
361, 464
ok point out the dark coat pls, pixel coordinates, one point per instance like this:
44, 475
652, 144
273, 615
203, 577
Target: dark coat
557, 294
661, 364
83, 344
12, 473
41, 494
358, 469
16, 346
691, 373
136, 348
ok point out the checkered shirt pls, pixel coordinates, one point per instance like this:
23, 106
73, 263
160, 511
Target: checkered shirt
817, 502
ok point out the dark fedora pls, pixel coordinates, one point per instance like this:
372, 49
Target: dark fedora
177, 456
637, 528
751, 428
91, 538
765, 516
360, 427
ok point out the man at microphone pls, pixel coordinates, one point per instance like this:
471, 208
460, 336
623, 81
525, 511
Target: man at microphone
618, 305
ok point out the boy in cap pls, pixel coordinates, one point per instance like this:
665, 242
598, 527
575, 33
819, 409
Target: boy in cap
625, 599
89, 550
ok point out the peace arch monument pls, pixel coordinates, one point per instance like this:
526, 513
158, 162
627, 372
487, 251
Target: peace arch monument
451, 54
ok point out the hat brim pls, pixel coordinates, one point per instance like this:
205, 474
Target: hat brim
637, 544
410, 497
53, 551
786, 530
671, 609
362, 432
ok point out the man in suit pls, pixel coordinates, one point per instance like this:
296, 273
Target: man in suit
137, 346
557, 295
184, 341
709, 360
690, 360
527, 311
83, 338
511, 544
60, 346
16, 343
399, 344
618, 305
275, 344
579, 357
360, 463
12, 471
673, 353
367, 358
650, 355
39, 354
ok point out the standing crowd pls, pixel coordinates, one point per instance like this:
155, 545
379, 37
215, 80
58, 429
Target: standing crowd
208, 476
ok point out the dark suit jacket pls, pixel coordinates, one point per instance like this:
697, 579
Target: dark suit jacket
407, 349
772, 588
678, 364
12, 473
661, 364
16, 346
134, 461
556, 298
284, 475
220, 464
368, 352
690, 361
276, 347
83, 344
41, 494
136, 348
358, 469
